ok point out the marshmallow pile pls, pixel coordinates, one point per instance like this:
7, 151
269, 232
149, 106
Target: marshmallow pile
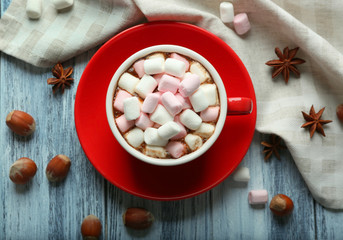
166, 105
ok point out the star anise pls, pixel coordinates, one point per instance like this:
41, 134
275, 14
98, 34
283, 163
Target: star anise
314, 121
272, 147
62, 79
285, 63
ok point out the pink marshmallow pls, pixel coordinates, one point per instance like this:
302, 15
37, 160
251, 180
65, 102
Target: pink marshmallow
158, 77
186, 104
176, 149
150, 102
189, 85
143, 121
183, 131
168, 84
241, 23
181, 134
124, 124
139, 68
210, 114
258, 196
180, 58
171, 103
119, 99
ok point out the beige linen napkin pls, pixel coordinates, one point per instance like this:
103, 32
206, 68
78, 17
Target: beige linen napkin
313, 25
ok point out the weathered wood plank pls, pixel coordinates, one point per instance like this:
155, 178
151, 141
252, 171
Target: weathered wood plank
4, 5
41, 210
329, 223
184, 219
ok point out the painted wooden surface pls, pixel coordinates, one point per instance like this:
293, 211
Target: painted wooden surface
41, 210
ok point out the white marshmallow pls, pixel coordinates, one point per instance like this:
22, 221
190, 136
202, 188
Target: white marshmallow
198, 69
161, 115
155, 55
169, 130
181, 58
190, 119
155, 152
194, 142
175, 67
199, 100
205, 130
211, 93
62, 4
132, 108
34, 8
145, 86
226, 12
135, 137
154, 66
128, 82
187, 74
242, 174
151, 137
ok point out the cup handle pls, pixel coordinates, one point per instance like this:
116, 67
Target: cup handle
239, 106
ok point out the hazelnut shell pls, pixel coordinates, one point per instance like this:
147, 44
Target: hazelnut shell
138, 218
91, 227
339, 112
58, 168
21, 123
281, 205
22, 170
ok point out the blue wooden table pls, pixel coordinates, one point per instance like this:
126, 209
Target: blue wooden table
40, 210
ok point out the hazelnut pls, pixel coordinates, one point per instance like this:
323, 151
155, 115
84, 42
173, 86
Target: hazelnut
138, 218
281, 205
91, 228
339, 111
22, 170
21, 123
58, 168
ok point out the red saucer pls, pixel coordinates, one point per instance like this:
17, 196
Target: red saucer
132, 175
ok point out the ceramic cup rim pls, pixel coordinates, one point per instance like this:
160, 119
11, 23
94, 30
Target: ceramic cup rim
184, 51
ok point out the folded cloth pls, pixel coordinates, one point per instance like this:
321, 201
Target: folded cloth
313, 25
60, 35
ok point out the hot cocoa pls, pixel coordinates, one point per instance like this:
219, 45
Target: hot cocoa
166, 105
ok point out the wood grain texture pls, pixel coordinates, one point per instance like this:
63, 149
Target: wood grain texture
41, 210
